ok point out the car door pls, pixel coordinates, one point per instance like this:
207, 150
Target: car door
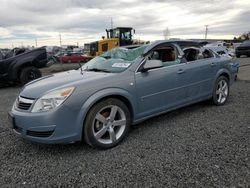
74, 58
160, 89
66, 58
199, 80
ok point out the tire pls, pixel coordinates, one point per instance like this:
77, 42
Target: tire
28, 74
221, 91
238, 56
102, 129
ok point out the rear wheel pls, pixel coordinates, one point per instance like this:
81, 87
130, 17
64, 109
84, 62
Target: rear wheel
28, 74
107, 124
221, 91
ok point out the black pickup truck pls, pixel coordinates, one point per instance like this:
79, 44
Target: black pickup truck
22, 66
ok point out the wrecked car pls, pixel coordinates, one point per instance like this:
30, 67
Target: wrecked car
22, 66
100, 101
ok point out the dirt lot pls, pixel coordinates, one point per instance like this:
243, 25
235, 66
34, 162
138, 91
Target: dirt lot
198, 146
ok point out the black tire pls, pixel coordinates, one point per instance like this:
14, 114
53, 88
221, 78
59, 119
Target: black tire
238, 56
215, 98
28, 74
91, 121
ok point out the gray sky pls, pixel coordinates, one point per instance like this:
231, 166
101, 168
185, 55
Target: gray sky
82, 21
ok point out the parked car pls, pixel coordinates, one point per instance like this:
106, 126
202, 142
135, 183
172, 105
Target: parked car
74, 58
243, 49
22, 66
98, 102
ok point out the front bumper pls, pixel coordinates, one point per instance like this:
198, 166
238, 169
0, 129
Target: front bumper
58, 126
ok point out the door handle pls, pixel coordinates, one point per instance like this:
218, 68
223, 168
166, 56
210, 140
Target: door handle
180, 71
213, 64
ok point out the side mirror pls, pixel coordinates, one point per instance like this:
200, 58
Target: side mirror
151, 64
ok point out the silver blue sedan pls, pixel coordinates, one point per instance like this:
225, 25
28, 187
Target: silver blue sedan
100, 101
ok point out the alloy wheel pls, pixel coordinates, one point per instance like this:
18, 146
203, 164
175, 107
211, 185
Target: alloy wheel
222, 91
109, 124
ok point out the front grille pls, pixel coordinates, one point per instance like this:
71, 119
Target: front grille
24, 103
43, 134
24, 106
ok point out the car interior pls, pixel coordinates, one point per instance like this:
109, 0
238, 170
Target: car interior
193, 54
166, 54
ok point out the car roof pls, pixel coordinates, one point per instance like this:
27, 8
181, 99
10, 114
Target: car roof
181, 43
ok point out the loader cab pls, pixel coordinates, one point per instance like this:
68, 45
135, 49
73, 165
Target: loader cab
124, 34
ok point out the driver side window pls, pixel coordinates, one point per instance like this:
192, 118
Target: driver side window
166, 54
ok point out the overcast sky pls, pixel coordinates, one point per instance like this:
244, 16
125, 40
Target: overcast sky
82, 21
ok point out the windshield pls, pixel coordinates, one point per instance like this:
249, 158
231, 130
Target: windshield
115, 60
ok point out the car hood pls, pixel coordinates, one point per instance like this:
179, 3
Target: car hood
39, 87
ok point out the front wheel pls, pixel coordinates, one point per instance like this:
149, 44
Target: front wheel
107, 124
221, 91
28, 74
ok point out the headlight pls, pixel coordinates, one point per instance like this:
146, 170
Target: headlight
52, 100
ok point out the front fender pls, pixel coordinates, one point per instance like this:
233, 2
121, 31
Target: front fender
17, 64
100, 95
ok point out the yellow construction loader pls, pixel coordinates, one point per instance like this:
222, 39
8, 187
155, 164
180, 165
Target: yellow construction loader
119, 36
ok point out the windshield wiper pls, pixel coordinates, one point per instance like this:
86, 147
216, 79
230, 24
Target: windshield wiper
97, 70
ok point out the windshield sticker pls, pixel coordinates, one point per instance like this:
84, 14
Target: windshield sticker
121, 65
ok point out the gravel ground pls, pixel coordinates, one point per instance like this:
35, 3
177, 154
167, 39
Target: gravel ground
198, 146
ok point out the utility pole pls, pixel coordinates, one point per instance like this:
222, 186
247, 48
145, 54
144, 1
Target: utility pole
111, 23
60, 39
206, 31
166, 34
